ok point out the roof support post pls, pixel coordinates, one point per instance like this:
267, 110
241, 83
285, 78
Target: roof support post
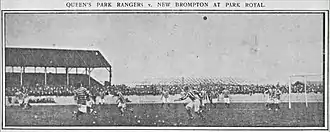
305, 87
21, 71
67, 76
77, 70
86, 71
110, 75
89, 77
56, 70
35, 69
12, 69
45, 76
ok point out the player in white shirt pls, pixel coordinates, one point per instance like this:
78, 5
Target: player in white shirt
226, 98
26, 99
89, 104
121, 103
19, 96
195, 102
164, 96
270, 99
277, 97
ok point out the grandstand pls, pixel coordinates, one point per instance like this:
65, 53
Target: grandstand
32, 79
51, 95
53, 58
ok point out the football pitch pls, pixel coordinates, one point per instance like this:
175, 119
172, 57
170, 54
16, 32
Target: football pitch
174, 115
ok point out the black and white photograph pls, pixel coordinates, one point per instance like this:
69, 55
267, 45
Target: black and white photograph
165, 69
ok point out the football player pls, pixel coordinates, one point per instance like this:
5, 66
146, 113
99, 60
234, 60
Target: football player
226, 99
164, 96
121, 103
269, 103
81, 96
194, 103
277, 97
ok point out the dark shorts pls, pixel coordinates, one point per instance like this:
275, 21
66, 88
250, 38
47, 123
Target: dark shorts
9, 99
94, 98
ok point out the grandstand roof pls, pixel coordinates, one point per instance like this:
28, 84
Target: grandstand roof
37, 57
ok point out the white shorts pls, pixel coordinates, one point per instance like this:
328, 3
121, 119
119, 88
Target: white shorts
276, 101
165, 100
270, 100
226, 100
14, 99
26, 100
194, 105
82, 108
100, 101
97, 100
89, 103
123, 105
20, 101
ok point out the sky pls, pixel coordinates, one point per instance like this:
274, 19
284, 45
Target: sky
258, 47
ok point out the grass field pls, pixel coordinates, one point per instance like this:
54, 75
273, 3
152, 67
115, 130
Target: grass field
239, 114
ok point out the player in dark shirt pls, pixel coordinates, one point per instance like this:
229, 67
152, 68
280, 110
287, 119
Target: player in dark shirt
102, 95
203, 99
210, 95
93, 94
81, 95
250, 91
10, 101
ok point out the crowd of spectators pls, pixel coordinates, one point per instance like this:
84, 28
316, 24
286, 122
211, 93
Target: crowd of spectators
145, 90
42, 100
216, 88
49, 90
41, 90
156, 89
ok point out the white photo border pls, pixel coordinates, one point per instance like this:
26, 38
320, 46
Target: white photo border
39, 128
